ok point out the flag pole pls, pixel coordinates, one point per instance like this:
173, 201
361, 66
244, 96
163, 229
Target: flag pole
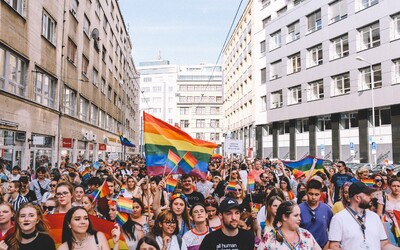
98, 192
175, 166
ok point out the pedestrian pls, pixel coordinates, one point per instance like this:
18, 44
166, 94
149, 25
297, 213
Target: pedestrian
15, 198
212, 209
79, 192
344, 199
356, 227
6, 216
166, 232
40, 185
137, 225
339, 179
147, 243
64, 197
195, 236
188, 190
230, 236
271, 209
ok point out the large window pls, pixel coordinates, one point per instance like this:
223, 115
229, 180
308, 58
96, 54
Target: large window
324, 123
349, 120
396, 71
200, 123
294, 63
302, 126
103, 86
263, 103
85, 65
74, 8
341, 84
382, 117
262, 46
215, 110
95, 77
48, 27
263, 72
214, 123
275, 40
275, 70
71, 51
362, 4
86, 25
102, 119
200, 136
69, 101
314, 56
339, 47
200, 110
395, 27
12, 72
366, 77
94, 113
265, 21
314, 22
293, 31
294, 95
315, 90
337, 10
276, 99
17, 5
45, 88
369, 36
83, 109
184, 123
184, 110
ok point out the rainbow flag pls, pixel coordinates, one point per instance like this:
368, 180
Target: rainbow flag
170, 184
231, 186
121, 218
251, 182
160, 137
304, 164
85, 174
124, 205
101, 192
188, 162
368, 182
172, 160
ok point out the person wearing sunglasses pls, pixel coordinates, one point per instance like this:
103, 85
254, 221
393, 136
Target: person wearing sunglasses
240, 196
316, 216
50, 206
51, 193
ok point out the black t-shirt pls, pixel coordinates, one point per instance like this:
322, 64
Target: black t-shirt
195, 197
217, 240
31, 196
42, 241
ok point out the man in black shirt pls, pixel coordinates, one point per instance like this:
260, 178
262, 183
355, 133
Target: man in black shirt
187, 189
229, 237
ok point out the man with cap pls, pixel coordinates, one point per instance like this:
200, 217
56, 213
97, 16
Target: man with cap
389, 171
230, 236
356, 227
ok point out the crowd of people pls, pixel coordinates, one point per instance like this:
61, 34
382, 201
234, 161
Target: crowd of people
328, 208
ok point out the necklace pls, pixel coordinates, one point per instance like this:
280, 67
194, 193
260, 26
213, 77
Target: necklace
79, 243
30, 235
291, 245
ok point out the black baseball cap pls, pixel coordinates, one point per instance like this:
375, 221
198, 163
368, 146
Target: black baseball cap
229, 203
359, 187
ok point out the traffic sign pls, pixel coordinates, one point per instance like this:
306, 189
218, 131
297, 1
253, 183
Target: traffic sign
322, 148
352, 149
373, 148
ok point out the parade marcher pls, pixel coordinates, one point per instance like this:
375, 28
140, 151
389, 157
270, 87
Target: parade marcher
284, 184
344, 199
15, 198
248, 223
212, 209
240, 196
102, 203
188, 190
356, 227
25, 191
271, 209
64, 197
339, 179
6, 215
132, 188
195, 236
51, 193
41, 184
203, 186
31, 231
147, 243
230, 236
137, 225
166, 232
287, 233
49, 206
315, 215
79, 192
256, 171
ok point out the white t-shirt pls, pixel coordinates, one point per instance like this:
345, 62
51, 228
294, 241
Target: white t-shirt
345, 229
173, 244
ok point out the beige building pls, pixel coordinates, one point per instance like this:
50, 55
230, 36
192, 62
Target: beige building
67, 81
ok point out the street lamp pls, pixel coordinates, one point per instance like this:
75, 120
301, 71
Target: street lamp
359, 58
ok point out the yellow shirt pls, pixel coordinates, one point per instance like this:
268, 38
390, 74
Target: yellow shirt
337, 207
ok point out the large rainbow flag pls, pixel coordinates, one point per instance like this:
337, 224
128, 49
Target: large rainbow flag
304, 164
160, 137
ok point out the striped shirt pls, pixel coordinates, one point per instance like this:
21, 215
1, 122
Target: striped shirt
18, 202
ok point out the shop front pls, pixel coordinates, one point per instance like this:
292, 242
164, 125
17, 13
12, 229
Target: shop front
11, 147
41, 150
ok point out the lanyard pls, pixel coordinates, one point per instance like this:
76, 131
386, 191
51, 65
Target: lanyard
291, 247
359, 219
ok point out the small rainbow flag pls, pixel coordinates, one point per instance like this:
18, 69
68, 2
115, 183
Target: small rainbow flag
170, 184
121, 218
85, 174
124, 205
368, 182
188, 162
101, 192
231, 186
123, 188
251, 183
172, 160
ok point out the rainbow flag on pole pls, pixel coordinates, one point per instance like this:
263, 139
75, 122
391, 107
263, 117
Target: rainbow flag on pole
231, 186
124, 205
101, 192
304, 164
368, 182
85, 174
171, 184
173, 160
121, 218
188, 162
161, 137
251, 182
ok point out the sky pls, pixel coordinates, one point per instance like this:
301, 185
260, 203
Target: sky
181, 31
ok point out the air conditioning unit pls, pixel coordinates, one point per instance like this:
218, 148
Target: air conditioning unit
94, 137
86, 136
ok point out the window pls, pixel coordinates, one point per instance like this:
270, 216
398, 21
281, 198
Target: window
86, 26
294, 96
157, 100
382, 117
109, 93
276, 99
349, 120
104, 54
337, 11
281, 11
157, 89
85, 65
83, 109
324, 123
315, 90
94, 114
184, 110
314, 22
103, 85
200, 136
339, 47
263, 103
45, 88
395, 27
215, 110
48, 27
362, 4
17, 5
69, 101
262, 46
396, 71
74, 8
263, 75
341, 84
105, 22
294, 63
214, 136
293, 31
200, 110
214, 123
200, 123
71, 51
283, 128
265, 3
369, 36
302, 126
275, 40
365, 77
12, 72
275, 71
297, 2
102, 119
95, 77
314, 56
184, 123
98, 8
265, 21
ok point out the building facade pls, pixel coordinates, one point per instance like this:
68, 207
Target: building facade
328, 64
67, 82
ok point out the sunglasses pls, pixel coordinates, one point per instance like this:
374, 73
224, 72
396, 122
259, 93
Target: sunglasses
378, 180
49, 208
239, 190
52, 185
313, 219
